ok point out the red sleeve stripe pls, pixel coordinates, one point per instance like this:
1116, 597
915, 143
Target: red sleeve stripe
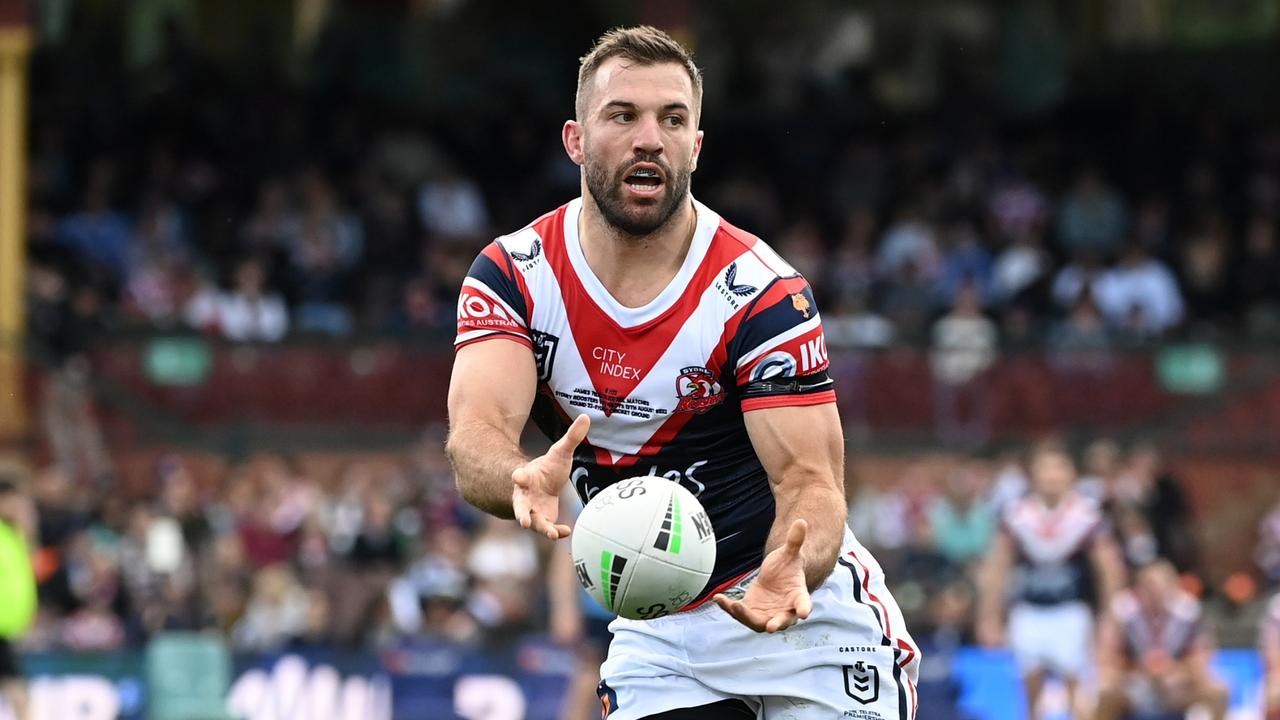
772, 296
494, 252
494, 335
801, 400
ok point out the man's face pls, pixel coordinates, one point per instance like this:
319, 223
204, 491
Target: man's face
1052, 473
637, 142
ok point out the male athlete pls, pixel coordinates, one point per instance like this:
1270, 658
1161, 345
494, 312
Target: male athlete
1154, 651
647, 336
1269, 647
1056, 541
17, 591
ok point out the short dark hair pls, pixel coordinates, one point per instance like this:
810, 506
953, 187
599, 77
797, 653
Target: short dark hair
643, 45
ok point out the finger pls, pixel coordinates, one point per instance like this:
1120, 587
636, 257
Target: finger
795, 537
543, 525
521, 477
576, 433
781, 621
743, 614
520, 508
804, 606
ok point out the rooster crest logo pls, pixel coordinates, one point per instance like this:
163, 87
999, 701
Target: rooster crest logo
801, 304
698, 390
534, 250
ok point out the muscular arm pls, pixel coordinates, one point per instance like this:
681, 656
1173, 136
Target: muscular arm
1108, 563
995, 579
490, 395
802, 450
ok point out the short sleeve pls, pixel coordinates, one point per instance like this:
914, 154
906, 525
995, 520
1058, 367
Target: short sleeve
780, 356
492, 303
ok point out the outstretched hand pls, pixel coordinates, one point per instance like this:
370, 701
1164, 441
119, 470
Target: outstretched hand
535, 498
779, 597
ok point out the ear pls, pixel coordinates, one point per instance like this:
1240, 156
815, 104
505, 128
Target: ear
697, 150
571, 136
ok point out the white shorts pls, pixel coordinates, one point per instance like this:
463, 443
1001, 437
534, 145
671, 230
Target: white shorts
852, 658
1056, 638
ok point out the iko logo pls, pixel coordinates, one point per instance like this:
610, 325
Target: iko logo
534, 250
611, 567
672, 529
862, 682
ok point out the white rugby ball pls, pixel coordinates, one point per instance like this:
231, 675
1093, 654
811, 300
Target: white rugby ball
643, 547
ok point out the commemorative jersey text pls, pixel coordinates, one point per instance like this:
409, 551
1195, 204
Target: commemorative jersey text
665, 385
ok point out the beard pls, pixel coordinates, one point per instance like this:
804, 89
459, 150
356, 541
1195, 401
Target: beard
606, 187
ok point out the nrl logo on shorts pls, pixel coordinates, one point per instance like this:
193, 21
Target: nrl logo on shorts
862, 682
698, 390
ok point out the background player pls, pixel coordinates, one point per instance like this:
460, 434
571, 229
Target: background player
1154, 650
17, 588
1269, 645
1052, 543
601, 320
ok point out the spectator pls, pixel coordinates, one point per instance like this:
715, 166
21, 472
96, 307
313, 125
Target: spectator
278, 611
451, 207
1159, 497
273, 225
1203, 271
964, 348
1019, 268
851, 269
1140, 296
964, 262
962, 525
250, 312
1257, 277
909, 247
1093, 217
1082, 342
99, 234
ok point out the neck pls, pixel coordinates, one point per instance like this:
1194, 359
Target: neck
1052, 501
635, 268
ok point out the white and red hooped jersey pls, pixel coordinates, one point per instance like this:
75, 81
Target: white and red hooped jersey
1174, 630
1052, 547
666, 384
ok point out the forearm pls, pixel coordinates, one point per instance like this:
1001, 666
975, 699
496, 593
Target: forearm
820, 503
483, 459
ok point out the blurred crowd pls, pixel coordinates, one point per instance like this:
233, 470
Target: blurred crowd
252, 208
932, 526
365, 552
279, 552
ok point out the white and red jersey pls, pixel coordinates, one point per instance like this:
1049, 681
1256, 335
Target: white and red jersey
1174, 629
666, 384
1269, 628
1052, 546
